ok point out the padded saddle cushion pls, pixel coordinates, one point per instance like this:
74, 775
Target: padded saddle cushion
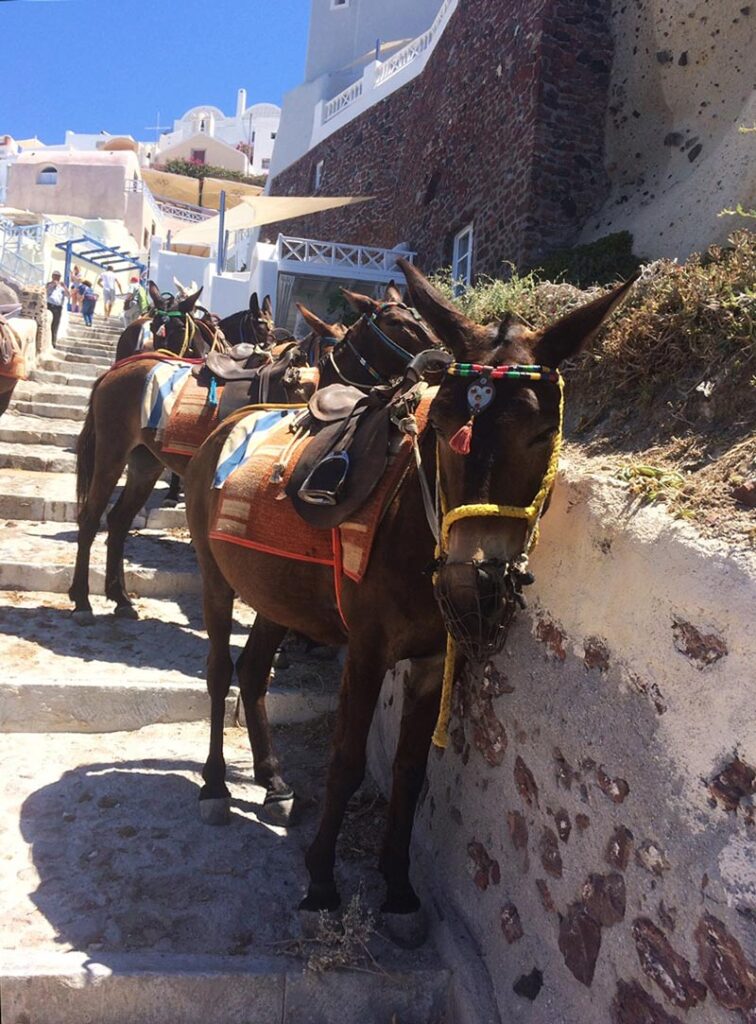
364, 434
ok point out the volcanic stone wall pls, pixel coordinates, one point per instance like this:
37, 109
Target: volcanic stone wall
504, 128
586, 844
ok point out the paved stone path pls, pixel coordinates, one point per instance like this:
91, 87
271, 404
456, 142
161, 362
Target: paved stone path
117, 904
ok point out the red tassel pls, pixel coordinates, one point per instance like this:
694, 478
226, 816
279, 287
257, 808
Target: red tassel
462, 440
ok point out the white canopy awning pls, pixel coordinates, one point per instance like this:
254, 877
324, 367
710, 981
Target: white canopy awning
254, 211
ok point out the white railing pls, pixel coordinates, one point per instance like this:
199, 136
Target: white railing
417, 47
338, 254
185, 211
344, 99
361, 94
21, 252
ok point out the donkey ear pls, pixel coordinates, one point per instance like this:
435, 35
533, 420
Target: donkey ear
452, 327
577, 329
267, 307
392, 293
361, 303
155, 295
187, 305
254, 305
321, 328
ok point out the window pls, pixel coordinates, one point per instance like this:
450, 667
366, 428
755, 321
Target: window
265, 162
48, 176
317, 178
272, 135
197, 156
336, 4
462, 259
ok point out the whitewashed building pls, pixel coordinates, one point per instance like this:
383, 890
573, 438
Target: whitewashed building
358, 52
243, 141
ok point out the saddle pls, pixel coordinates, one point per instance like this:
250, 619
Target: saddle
347, 456
249, 375
353, 435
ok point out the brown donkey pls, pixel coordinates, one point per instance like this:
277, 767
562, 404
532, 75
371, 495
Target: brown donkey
112, 436
393, 613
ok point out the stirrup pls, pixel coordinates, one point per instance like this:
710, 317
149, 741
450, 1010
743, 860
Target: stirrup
325, 482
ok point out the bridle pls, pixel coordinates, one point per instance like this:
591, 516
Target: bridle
211, 333
371, 321
504, 579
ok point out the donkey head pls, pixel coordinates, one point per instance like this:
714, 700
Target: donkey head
172, 326
378, 347
496, 435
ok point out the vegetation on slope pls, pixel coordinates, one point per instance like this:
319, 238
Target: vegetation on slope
667, 395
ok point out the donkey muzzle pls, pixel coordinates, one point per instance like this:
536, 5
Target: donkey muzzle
478, 600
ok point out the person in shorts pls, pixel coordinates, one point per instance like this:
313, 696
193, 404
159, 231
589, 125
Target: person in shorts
109, 282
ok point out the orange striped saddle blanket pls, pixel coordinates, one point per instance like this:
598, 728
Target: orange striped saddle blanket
254, 511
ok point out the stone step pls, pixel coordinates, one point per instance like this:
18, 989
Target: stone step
51, 497
74, 373
36, 391
40, 557
36, 430
122, 674
49, 409
36, 457
97, 348
121, 988
62, 378
102, 361
118, 905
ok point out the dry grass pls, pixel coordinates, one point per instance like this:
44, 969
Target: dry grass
668, 393
338, 943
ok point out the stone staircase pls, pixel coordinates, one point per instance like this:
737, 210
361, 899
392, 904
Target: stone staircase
116, 904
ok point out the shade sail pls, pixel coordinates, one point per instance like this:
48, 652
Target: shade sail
254, 211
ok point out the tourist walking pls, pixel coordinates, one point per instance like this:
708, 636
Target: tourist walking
74, 285
56, 296
88, 302
109, 282
136, 303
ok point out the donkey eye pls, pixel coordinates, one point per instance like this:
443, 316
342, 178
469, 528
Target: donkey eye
543, 437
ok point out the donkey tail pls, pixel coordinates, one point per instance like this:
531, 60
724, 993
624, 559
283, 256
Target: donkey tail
85, 451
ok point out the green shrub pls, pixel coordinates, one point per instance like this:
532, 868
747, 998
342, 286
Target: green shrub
191, 169
604, 261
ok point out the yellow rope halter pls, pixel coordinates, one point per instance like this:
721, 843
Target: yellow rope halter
531, 513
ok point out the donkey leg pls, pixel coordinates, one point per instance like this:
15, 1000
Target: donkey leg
104, 482
421, 703
218, 601
174, 490
360, 686
253, 668
143, 474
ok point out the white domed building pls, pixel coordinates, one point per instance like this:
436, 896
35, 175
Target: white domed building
241, 142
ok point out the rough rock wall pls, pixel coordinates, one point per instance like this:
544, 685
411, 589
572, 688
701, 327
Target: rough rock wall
33, 307
682, 83
503, 128
587, 841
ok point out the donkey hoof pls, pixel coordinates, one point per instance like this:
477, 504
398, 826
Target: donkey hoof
281, 659
216, 810
409, 931
319, 897
126, 611
83, 617
277, 811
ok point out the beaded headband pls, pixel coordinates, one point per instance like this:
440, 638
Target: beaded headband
480, 392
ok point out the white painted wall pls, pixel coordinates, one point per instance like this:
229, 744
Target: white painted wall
346, 35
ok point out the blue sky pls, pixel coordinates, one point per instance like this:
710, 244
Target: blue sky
90, 65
